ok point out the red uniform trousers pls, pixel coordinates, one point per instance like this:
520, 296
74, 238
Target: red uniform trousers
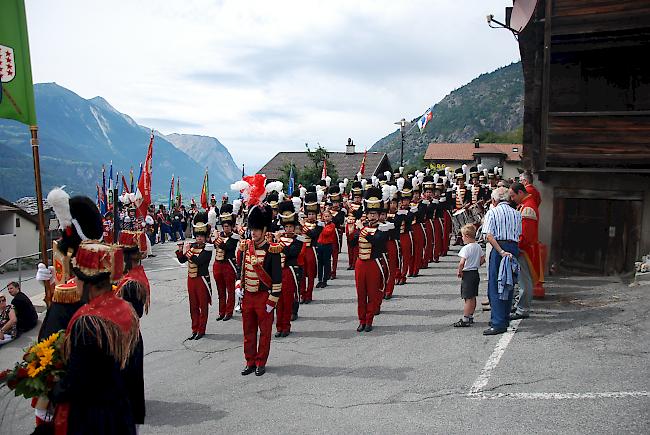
418, 249
393, 266
199, 294
225, 277
437, 239
407, 253
428, 245
368, 279
285, 303
353, 252
309, 268
254, 318
446, 232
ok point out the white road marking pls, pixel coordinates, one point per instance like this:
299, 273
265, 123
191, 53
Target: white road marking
562, 396
494, 359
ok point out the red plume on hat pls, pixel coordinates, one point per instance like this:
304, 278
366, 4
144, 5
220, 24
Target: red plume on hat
252, 188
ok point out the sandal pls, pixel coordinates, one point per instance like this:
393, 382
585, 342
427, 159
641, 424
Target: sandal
461, 324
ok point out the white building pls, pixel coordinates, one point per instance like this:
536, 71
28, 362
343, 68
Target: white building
18, 231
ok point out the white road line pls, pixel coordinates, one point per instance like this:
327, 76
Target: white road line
494, 359
562, 396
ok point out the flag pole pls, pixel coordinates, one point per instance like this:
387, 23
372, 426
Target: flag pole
33, 129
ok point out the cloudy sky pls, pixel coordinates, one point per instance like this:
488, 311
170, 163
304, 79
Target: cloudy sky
267, 75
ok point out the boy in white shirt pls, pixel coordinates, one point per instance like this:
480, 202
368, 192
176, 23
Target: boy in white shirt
471, 258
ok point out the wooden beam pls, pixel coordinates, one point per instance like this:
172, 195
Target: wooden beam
546, 85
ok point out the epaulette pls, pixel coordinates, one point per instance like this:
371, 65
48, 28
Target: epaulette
275, 248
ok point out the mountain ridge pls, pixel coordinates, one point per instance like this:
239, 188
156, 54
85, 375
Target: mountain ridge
77, 135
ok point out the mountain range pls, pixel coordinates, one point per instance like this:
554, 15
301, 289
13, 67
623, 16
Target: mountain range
78, 135
492, 102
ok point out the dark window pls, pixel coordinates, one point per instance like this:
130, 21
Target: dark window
17, 222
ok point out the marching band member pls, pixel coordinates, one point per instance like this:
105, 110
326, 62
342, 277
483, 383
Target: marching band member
419, 215
338, 219
392, 243
368, 271
428, 185
198, 276
291, 272
439, 204
462, 196
405, 194
310, 230
449, 197
261, 282
355, 210
224, 268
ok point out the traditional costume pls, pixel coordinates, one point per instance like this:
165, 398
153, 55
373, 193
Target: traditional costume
198, 277
310, 231
224, 268
355, 210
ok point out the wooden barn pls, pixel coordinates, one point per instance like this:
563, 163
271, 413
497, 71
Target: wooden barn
587, 128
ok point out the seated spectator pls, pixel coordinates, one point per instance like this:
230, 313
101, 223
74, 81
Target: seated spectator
7, 321
25, 311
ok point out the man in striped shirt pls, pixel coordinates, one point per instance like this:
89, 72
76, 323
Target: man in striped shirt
502, 227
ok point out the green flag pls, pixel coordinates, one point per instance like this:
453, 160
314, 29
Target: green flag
16, 87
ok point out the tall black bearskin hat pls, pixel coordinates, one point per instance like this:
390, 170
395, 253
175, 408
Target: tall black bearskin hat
357, 189
225, 214
490, 173
79, 219
473, 171
460, 174
201, 223
287, 212
260, 217
373, 200
311, 203
272, 199
322, 183
428, 182
440, 180
334, 194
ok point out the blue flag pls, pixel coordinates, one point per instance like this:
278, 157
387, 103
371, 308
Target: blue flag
292, 182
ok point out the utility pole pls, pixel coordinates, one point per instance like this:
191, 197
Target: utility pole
402, 127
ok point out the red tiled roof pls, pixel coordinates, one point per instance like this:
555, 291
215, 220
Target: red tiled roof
466, 151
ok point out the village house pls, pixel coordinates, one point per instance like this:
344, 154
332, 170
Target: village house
455, 155
18, 231
346, 163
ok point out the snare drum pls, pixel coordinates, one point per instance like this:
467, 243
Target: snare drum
459, 219
477, 212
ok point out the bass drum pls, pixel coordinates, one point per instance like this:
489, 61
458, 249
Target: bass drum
459, 219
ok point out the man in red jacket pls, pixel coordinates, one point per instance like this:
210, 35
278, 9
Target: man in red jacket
526, 178
529, 258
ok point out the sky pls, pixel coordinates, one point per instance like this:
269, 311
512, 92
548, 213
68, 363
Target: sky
265, 76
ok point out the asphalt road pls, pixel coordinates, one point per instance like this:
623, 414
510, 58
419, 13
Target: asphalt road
578, 365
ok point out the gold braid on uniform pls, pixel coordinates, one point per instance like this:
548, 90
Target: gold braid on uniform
66, 295
275, 248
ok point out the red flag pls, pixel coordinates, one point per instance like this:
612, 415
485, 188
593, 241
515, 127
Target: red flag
143, 194
204, 191
125, 186
324, 173
362, 169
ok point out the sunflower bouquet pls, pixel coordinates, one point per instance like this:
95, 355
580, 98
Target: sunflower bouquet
39, 370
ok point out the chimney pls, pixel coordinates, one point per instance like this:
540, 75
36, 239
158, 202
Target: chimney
349, 149
476, 143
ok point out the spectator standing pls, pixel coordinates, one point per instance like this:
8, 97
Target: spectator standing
526, 178
471, 258
502, 227
25, 311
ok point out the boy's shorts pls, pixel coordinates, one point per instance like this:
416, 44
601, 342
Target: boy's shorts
469, 284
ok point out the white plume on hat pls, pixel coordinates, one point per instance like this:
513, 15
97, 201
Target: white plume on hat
427, 170
363, 183
342, 186
401, 169
212, 217
274, 186
328, 181
296, 203
444, 179
388, 175
500, 171
374, 180
436, 177
385, 192
400, 183
393, 190
319, 194
415, 182
485, 172
60, 202
464, 168
345, 184
236, 206
280, 196
358, 176
303, 191
480, 167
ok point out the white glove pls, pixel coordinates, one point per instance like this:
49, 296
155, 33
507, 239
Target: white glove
269, 308
321, 224
386, 226
402, 212
44, 273
414, 209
